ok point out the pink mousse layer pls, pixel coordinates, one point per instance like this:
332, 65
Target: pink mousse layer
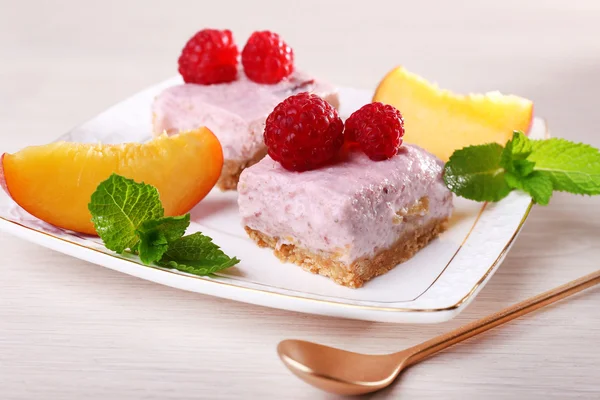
350, 208
236, 112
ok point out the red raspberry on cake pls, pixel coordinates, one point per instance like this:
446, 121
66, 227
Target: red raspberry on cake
267, 58
377, 128
210, 56
303, 132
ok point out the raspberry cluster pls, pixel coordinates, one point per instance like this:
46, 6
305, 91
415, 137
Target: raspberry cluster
211, 56
304, 132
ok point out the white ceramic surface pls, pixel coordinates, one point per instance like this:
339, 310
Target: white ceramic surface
434, 286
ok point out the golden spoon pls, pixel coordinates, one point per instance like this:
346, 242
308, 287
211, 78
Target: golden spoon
343, 372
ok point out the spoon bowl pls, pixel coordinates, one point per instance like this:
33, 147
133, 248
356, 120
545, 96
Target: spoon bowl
335, 370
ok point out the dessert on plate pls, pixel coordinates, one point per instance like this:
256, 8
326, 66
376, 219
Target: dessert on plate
231, 101
349, 212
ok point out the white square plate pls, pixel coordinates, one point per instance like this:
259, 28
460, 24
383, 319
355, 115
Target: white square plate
433, 286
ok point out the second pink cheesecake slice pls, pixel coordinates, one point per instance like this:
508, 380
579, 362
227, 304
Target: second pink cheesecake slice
236, 113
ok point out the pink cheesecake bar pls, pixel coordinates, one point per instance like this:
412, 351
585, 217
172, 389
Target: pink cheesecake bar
350, 221
235, 112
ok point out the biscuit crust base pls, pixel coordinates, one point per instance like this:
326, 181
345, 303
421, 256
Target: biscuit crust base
361, 270
230, 174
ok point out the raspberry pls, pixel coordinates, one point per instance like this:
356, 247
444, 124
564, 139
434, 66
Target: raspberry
210, 56
377, 128
303, 132
267, 58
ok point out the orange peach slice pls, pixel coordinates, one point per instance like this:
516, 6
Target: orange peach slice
441, 121
55, 182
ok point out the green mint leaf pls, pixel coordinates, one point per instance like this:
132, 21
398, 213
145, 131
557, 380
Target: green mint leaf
517, 172
475, 173
518, 148
119, 206
196, 254
129, 215
572, 167
523, 167
513, 160
155, 236
539, 186
515, 181
535, 166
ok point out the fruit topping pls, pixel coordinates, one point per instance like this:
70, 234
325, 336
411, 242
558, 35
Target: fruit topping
377, 128
303, 132
210, 56
267, 58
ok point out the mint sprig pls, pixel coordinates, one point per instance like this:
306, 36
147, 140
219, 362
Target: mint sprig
538, 167
129, 216
196, 254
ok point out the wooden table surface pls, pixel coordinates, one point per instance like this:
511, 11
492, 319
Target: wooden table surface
73, 330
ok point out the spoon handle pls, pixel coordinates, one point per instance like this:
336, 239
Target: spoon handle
430, 347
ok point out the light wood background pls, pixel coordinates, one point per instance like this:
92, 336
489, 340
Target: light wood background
73, 330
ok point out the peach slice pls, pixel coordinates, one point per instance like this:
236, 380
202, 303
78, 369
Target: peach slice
442, 122
55, 182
